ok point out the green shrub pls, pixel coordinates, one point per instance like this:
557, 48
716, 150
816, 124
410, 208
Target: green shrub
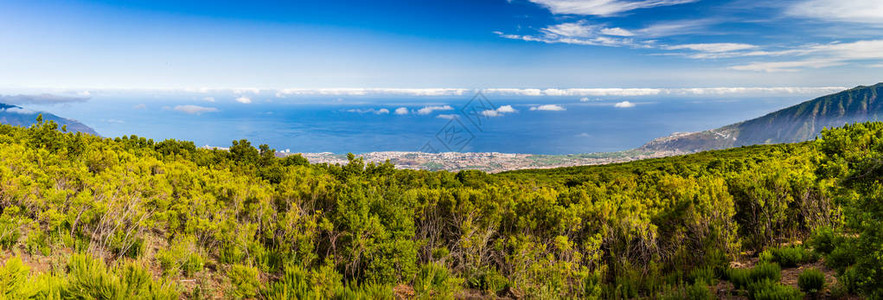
90, 278
14, 280
10, 232
823, 240
435, 281
701, 274
842, 257
771, 290
698, 291
695, 291
181, 255
765, 256
244, 280
811, 281
488, 279
294, 284
37, 242
739, 277
790, 257
365, 292
742, 278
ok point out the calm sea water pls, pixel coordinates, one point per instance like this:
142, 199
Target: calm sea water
348, 124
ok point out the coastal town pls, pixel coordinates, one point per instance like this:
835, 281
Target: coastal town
491, 162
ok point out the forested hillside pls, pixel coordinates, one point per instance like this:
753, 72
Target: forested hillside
88, 217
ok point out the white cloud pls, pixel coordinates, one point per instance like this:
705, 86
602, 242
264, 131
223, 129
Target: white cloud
369, 111
505, 109
372, 91
854, 11
429, 109
243, 100
401, 111
19, 110
616, 31
140, 106
624, 104
247, 90
674, 28
576, 29
548, 107
602, 7
584, 99
209, 99
447, 117
713, 47
491, 113
41, 99
195, 109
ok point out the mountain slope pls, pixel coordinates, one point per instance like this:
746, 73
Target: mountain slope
18, 116
793, 124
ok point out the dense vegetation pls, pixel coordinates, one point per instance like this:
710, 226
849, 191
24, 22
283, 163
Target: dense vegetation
89, 217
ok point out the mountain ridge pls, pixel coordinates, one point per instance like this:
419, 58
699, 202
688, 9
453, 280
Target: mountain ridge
18, 116
792, 124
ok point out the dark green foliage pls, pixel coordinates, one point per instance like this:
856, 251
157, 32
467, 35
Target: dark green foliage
767, 289
823, 240
744, 278
811, 281
765, 271
790, 257
699, 291
702, 274
852, 158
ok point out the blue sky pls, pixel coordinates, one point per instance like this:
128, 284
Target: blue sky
520, 44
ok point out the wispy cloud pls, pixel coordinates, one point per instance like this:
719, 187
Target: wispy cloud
820, 56
401, 111
372, 91
140, 106
713, 47
243, 100
19, 110
41, 99
584, 33
602, 7
195, 109
447, 116
851, 11
429, 109
548, 107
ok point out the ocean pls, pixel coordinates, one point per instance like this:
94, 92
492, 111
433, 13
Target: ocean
359, 124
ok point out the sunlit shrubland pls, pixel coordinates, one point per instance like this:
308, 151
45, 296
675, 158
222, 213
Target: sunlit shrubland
99, 216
